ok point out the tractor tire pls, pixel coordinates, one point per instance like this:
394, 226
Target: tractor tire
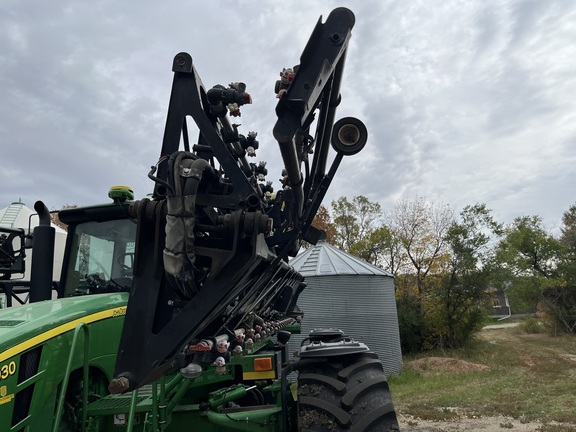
347, 393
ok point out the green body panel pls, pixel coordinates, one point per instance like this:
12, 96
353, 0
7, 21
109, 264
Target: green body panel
35, 346
176, 404
35, 342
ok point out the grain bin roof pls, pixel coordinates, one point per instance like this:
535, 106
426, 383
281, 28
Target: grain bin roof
17, 215
326, 260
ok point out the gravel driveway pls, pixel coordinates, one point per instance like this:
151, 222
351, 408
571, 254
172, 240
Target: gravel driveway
482, 424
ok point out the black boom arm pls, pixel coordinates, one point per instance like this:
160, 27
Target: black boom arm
213, 243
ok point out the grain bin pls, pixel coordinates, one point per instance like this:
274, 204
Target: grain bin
347, 293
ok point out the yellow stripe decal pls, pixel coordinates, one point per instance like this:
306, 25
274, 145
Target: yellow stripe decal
56, 331
259, 375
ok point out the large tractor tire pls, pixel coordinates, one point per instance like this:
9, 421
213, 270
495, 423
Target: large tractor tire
347, 393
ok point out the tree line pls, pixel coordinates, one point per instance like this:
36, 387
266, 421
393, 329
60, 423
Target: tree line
448, 267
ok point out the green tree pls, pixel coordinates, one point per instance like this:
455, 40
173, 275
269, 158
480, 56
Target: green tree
568, 240
421, 229
355, 221
529, 250
381, 247
461, 297
568, 229
360, 230
323, 222
541, 268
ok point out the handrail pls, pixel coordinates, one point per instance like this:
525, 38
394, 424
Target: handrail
163, 391
85, 328
132, 413
155, 405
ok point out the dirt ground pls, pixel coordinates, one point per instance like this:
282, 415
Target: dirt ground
482, 424
447, 364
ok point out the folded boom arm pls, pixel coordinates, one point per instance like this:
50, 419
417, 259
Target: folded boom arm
212, 246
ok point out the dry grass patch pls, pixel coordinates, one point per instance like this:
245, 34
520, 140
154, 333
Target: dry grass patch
504, 372
447, 364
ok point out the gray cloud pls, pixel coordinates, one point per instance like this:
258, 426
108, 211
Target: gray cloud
464, 102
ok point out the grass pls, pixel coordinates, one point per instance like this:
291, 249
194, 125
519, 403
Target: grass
531, 377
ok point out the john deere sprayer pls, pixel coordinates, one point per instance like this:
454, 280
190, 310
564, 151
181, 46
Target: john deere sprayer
175, 312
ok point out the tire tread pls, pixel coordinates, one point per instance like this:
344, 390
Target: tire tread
345, 394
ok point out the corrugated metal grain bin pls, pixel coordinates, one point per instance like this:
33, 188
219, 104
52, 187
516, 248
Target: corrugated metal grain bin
347, 293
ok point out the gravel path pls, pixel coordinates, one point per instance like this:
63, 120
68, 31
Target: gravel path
500, 326
482, 424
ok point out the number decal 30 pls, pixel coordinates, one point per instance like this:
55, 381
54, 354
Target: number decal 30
7, 370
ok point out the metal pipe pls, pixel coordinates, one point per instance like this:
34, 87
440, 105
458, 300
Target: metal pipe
163, 390
179, 395
43, 213
333, 103
85, 369
42, 256
155, 406
131, 414
292, 166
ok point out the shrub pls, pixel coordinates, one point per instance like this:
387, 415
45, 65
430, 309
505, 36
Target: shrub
530, 325
411, 323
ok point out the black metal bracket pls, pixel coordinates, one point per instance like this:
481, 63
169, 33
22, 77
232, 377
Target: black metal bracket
237, 259
316, 86
188, 98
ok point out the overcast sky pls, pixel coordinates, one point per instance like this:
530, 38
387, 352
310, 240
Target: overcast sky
465, 101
